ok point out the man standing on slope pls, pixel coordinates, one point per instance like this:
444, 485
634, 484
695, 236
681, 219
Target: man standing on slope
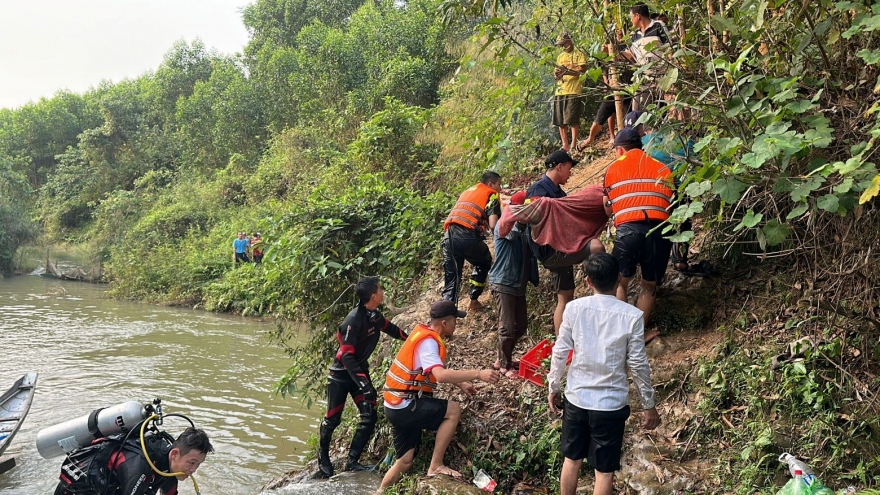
607, 337
568, 103
638, 193
409, 388
649, 35
358, 336
559, 165
476, 211
509, 278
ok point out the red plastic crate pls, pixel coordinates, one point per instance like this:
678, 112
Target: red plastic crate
530, 367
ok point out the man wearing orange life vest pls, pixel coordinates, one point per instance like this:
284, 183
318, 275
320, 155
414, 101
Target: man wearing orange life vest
638, 194
475, 212
409, 403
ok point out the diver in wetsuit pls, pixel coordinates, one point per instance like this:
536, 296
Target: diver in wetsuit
358, 336
130, 474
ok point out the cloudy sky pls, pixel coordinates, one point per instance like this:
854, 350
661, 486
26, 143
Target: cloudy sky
48, 45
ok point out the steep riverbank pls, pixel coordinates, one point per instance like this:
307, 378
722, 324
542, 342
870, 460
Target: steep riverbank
506, 429
728, 391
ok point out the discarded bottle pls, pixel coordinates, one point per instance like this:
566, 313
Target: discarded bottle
795, 486
807, 478
795, 464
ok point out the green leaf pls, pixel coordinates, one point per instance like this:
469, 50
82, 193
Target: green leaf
728, 189
797, 211
735, 106
845, 186
695, 189
669, 79
759, 16
871, 57
803, 190
850, 165
800, 106
703, 142
686, 236
728, 146
752, 160
828, 202
775, 232
751, 219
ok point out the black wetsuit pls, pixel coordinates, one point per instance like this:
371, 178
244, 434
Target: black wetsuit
131, 475
358, 337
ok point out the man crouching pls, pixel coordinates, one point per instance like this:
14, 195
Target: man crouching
409, 403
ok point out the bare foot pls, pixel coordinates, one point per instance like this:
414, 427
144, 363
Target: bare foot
585, 143
511, 374
445, 470
651, 334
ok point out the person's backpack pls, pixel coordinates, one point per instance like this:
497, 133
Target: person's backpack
86, 471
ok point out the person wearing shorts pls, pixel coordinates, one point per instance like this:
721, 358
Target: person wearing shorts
607, 337
409, 403
561, 265
568, 102
638, 193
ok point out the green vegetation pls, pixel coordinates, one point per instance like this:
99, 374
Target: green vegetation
345, 127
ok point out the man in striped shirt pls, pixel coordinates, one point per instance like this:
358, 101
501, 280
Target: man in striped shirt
607, 336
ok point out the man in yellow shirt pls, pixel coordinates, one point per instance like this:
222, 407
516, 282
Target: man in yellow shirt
571, 64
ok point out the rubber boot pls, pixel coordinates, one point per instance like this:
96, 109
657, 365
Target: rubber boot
361, 437
325, 465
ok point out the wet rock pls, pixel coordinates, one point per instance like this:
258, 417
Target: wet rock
444, 485
345, 483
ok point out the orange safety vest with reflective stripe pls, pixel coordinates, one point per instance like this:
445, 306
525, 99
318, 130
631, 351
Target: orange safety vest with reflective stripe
402, 381
639, 188
470, 210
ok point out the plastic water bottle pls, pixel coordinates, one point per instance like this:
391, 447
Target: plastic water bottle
809, 480
795, 464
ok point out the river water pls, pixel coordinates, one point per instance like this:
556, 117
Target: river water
91, 351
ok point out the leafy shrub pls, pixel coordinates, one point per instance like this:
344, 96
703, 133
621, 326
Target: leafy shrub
332, 240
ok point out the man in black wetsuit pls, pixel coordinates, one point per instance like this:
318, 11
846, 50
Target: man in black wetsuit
350, 374
130, 474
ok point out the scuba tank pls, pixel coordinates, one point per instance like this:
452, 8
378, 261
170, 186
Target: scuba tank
80, 432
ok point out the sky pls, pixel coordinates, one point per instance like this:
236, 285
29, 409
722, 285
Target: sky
50, 45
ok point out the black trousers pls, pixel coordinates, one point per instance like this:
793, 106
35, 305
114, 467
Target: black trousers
457, 250
339, 387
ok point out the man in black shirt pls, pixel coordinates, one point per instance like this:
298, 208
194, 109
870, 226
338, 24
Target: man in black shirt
358, 336
559, 165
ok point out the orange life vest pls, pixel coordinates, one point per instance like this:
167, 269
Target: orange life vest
402, 381
639, 188
470, 210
